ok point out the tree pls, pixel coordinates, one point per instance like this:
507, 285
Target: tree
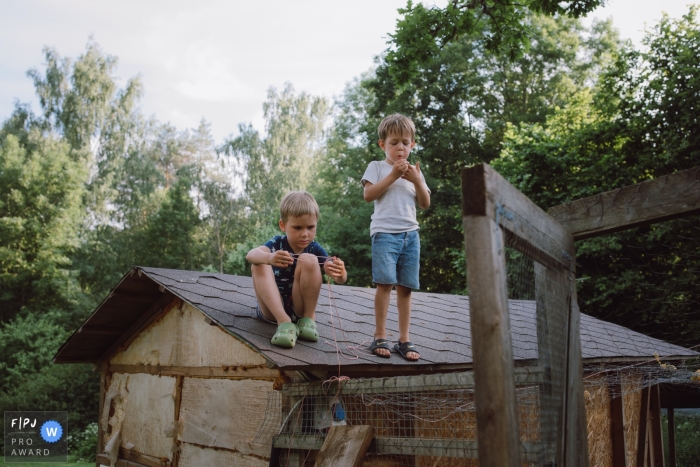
285, 159
345, 216
424, 32
41, 189
461, 100
639, 123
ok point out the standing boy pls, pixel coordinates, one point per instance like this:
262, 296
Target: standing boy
286, 274
396, 187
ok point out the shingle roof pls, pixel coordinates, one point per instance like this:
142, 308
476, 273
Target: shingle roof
439, 325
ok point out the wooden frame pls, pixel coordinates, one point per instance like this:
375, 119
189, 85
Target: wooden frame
490, 203
656, 200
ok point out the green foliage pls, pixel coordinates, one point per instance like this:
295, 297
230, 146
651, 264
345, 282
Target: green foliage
636, 125
170, 239
284, 159
41, 188
424, 32
345, 216
82, 445
462, 99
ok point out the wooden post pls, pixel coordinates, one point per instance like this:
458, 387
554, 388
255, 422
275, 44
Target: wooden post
490, 202
671, 438
496, 411
657, 457
617, 416
575, 428
643, 434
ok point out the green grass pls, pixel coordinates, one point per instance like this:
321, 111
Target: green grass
47, 464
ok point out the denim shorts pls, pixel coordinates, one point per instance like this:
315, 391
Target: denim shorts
396, 258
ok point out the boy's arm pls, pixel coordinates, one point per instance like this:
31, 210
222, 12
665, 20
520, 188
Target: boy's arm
373, 191
413, 175
263, 255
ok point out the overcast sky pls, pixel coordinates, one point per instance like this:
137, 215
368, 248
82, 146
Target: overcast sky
216, 59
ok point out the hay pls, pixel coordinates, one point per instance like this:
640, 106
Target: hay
632, 385
599, 422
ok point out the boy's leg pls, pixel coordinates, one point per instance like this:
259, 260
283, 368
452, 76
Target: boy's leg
403, 303
307, 286
267, 293
381, 310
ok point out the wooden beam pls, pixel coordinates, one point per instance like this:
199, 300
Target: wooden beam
643, 433
524, 376
657, 458
575, 424
147, 461
228, 372
496, 409
652, 201
528, 228
345, 446
617, 425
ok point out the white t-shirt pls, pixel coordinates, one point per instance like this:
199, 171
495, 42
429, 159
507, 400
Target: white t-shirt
395, 210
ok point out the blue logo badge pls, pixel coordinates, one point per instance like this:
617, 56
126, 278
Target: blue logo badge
51, 431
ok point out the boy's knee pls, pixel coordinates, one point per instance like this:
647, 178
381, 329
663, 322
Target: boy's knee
307, 261
401, 290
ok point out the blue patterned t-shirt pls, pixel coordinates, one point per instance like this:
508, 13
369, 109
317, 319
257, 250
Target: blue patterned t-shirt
284, 277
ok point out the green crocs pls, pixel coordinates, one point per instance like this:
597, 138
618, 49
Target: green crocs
286, 335
307, 330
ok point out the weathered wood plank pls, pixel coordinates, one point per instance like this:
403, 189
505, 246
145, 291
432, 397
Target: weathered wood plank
345, 446
223, 413
142, 459
655, 200
147, 411
617, 419
181, 337
439, 381
201, 456
575, 428
496, 409
528, 228
259, 372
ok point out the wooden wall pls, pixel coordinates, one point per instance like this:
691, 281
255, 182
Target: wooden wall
184, 393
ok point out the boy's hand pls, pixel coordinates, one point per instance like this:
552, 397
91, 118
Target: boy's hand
281, 259
335, 267
412, 173
400, 168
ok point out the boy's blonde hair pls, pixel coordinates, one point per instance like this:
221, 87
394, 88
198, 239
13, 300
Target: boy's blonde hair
296, 204
397, 124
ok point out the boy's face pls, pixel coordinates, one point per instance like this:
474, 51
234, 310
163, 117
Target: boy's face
397, 147
300, 231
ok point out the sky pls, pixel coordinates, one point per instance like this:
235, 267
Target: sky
216, 59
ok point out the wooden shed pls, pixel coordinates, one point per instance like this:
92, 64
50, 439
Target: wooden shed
189, 378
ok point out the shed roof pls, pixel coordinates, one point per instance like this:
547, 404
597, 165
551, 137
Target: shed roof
439, 325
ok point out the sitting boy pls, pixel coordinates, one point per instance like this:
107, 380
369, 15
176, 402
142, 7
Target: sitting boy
286, 273
396, 187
